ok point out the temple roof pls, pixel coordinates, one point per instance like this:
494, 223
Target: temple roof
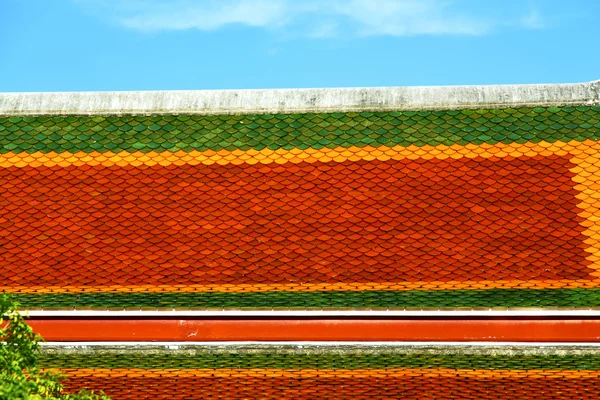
388, 198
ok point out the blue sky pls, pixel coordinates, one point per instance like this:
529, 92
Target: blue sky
82, 45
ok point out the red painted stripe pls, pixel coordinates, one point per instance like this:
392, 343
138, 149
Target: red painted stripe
544, 330
463, 386
422, 220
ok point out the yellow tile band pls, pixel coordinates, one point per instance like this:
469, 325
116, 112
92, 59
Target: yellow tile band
308, 287
582, 149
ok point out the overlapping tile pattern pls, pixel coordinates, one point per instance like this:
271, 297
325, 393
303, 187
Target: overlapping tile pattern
336, 372
404, 209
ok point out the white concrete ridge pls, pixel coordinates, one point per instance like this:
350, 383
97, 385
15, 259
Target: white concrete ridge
214, 102
531, 313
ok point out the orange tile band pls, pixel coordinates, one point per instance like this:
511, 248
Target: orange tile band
587, 180
427, 221
257, 329
461, 386
324, 373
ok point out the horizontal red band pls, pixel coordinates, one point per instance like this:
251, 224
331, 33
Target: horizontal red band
544, 330
392, 221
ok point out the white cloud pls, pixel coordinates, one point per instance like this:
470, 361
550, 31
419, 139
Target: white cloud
309, 18
409, 17
533, 20
206, 15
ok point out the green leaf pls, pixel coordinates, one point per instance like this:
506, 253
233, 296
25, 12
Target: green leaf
20, 376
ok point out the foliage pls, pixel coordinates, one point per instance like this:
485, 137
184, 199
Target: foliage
20, 375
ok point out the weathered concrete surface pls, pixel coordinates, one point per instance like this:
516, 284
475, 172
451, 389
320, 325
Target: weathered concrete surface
190, 350
298, 100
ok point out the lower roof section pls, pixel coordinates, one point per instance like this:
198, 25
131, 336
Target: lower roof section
310, 356
357, 372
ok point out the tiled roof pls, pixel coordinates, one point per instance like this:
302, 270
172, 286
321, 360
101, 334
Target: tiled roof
349, 372
474, 207
340, 204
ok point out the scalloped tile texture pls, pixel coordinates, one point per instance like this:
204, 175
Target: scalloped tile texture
472, 208
351, 372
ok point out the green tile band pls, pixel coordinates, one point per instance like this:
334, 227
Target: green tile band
417, 299
162, 133
311, 357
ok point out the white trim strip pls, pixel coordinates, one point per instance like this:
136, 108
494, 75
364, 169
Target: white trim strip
298, 100
310, 313
177, 345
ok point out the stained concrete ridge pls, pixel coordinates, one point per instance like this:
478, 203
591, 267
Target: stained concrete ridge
214, 102
394, 348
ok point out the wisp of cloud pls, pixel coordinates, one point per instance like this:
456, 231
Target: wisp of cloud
309, 18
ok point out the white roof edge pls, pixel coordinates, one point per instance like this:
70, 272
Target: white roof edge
177, 345
214, 102
315, 313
